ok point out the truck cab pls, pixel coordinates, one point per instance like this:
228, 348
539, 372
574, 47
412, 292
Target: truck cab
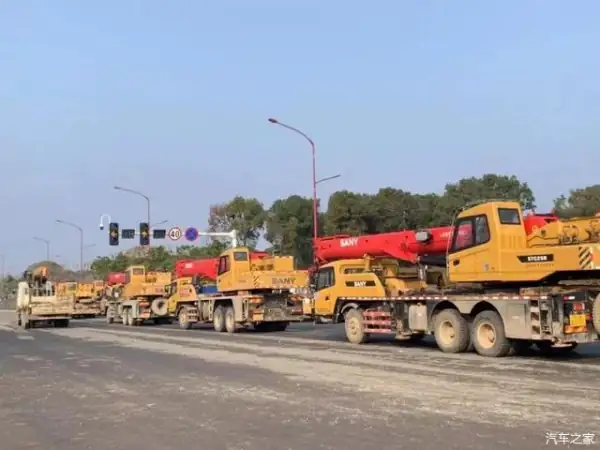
237, 272
366, 277
491, 246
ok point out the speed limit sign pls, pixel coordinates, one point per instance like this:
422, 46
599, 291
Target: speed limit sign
175, 234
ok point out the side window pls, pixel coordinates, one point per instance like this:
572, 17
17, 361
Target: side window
463, 235
509, 216
223, 264
470, 232
240, 256
325, 278
482, 231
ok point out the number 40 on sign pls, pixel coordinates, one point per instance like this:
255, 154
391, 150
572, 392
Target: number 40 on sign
570, 438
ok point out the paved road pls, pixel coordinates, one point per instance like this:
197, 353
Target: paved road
95, 386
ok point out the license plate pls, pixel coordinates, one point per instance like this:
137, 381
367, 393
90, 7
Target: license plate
577, 320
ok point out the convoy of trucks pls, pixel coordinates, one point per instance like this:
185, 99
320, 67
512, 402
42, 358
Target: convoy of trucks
497, 281
253, 289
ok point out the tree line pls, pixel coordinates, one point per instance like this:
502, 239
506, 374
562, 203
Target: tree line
287, 224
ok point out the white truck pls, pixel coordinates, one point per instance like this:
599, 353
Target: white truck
37, 301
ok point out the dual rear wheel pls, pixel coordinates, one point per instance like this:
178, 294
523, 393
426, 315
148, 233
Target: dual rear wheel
224, 319
485, 335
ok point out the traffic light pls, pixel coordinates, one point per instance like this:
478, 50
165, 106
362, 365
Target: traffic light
144, 233
113, 233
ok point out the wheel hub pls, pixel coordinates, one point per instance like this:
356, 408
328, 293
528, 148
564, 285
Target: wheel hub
486, 335
447, 332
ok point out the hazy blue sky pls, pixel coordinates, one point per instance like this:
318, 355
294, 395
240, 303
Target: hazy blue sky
172, 98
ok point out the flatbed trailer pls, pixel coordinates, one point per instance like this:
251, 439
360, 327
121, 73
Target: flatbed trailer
264, 312
493, 325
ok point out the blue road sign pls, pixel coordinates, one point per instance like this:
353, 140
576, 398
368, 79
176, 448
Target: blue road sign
191, 234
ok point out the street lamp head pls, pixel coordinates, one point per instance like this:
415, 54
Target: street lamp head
273, 120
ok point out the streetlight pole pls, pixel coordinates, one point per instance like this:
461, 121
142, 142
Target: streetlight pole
47, 242
333, 177
314, 173
77, 227
119, 188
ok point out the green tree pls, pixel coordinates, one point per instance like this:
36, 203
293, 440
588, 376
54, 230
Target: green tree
350, 212
488, 187
212, 250
289, 228
245, 215
579, 202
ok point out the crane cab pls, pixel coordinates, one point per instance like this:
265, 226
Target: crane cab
364, 277
135, 275
491, 245
239, 271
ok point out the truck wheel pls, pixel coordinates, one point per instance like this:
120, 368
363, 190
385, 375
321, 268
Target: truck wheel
596, 314
109, 319
488, 336
126, 317
353, 323
159, 307
451, 331
230, 324
219, 319
183, 319
25, 323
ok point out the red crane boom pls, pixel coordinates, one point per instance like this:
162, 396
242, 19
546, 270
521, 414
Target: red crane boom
204, 268
406, 245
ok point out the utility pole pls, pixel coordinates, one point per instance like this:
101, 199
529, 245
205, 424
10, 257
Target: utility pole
119, 188
47, 242
315, 182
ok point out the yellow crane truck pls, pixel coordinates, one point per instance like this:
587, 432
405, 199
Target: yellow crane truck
508, 289
263, 293
142, 298
38, 301
86, 301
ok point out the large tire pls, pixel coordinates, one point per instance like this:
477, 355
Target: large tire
159, 307
451, 331
353, 324
183, 319
230, 325
596, 314
25, 322
488, 335
219, 319
126, 317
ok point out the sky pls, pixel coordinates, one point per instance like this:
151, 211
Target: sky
171, 98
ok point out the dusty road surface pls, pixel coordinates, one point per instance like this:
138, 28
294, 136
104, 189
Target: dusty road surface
94, 386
